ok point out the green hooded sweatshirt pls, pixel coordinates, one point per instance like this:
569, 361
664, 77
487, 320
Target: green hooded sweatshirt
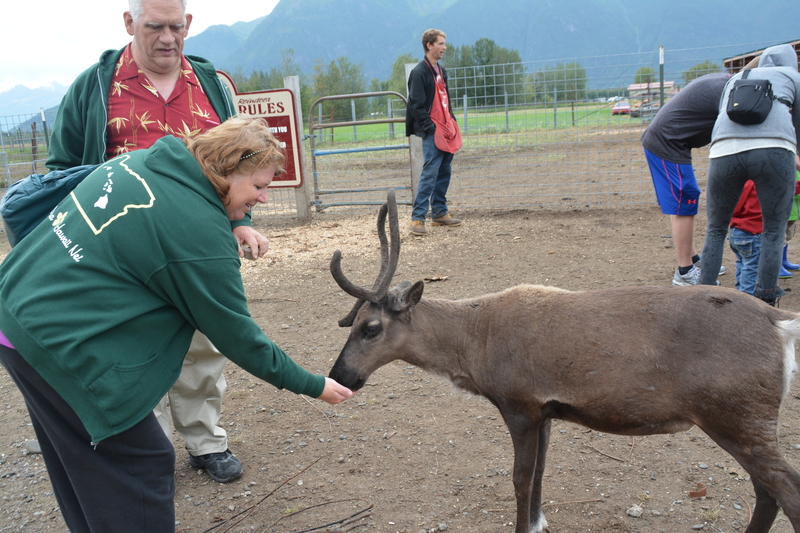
102, 298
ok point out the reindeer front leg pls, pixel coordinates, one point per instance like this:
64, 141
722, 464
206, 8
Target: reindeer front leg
525, 435
539, 523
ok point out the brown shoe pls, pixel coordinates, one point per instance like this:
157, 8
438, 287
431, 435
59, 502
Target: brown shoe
446, 220
418, 228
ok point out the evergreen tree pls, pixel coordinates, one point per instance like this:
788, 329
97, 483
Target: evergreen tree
485, 72
645, 75
701, 69
564, 82
339, 77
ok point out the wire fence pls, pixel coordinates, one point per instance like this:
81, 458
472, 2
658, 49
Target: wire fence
555, 134
537, 135
24, 140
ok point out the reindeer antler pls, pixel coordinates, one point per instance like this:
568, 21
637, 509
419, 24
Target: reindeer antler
389, 257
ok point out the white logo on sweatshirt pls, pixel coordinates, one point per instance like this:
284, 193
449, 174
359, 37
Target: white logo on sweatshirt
58, 229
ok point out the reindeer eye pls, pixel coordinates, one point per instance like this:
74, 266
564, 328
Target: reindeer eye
371, 328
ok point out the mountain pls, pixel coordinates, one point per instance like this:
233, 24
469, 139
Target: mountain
20, 100
218, 42
374, 33
371, 32
50, 115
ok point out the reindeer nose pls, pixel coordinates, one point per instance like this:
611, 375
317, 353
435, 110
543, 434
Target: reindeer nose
346, 377
337, 374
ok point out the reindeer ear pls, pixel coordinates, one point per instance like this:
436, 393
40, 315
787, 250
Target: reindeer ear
404, 296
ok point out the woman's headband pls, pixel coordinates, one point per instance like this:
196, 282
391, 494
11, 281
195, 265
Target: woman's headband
252, 154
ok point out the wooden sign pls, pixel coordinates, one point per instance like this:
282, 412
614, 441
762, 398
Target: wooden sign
277, 107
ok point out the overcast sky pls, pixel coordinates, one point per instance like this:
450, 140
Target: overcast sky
43, 41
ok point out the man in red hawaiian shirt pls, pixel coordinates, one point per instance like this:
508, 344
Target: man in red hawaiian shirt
127, 101
139, 114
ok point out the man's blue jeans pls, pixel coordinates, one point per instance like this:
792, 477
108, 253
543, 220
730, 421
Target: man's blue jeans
433, 182
747, 248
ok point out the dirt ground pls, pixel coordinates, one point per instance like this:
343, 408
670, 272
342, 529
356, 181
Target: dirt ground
410, 453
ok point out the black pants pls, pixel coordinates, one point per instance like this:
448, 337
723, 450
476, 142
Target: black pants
772, 170
125, 483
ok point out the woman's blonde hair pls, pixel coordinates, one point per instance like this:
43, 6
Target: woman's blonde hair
243, 144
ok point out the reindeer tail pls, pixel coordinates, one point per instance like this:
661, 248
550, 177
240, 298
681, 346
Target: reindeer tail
790, 333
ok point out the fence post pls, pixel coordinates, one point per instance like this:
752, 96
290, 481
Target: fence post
408, 68
4, 156
353, 112
417, 161
7, 172
34, 148
44, 126
319, 118
661, 73
390, 112
466, 123
505, 104
301, 196
555, 107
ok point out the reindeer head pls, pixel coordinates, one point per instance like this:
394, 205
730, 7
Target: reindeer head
380, 317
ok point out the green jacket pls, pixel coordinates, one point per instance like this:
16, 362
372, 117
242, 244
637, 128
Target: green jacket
79, 131
103, 299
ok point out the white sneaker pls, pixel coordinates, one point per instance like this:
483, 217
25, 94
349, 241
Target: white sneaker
722, 269
686, 280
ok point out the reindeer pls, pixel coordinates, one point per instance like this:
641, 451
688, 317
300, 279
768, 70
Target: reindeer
630, 361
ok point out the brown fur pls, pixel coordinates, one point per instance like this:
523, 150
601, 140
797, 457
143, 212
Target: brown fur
632, 361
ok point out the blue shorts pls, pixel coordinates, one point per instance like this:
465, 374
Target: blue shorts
676, 187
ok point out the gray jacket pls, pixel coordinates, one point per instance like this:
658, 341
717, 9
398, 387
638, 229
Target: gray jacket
778, 64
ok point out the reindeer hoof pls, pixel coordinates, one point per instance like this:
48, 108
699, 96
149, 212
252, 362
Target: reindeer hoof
539, 525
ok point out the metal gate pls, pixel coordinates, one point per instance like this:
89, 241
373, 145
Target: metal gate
356, 171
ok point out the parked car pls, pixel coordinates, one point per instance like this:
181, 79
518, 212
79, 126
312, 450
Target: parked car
646, 110
621, 108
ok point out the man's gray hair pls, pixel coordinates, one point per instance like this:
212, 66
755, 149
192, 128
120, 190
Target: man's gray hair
135, 7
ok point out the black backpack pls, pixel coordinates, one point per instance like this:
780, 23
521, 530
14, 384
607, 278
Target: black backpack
750, 101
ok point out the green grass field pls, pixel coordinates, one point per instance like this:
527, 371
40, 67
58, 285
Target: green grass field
582, 116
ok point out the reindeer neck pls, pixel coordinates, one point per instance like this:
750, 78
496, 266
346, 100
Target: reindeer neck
454, 329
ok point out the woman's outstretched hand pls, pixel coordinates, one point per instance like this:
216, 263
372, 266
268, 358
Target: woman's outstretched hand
334, 392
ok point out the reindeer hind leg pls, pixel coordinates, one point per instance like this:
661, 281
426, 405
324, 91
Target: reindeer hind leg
765, 511
779, 486
775, 482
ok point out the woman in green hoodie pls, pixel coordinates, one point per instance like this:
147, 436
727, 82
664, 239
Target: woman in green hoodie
99, 303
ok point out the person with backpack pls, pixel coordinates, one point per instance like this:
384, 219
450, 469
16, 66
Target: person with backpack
128, 100
763, 152
144, 257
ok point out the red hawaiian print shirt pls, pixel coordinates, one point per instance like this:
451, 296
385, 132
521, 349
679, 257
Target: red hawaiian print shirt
138, 115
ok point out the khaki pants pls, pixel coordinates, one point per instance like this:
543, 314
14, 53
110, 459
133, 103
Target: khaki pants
195, 400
